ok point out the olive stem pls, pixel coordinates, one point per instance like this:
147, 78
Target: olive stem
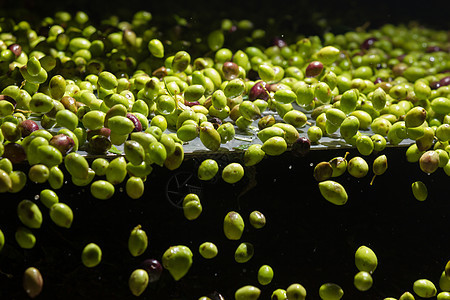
373, 178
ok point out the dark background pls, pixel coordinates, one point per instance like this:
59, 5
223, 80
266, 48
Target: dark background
339, 15
306, 240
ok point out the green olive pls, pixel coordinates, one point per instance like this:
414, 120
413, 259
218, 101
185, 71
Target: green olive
102, 189
296, 291
116, 170
233, 225
365, 259
25, 237
274, 146
333, 192
91, 255
363, 281
424, 288
357, 167
247, 292
177, 260
265, 275
61, 214
253, 155
29, 214
76, 165
18, 181
232, 173
38, 173
137, 241
419, 190
156, 48
330, 291
48, 197
208, 250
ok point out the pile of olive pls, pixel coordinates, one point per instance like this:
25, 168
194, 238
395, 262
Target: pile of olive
129, 98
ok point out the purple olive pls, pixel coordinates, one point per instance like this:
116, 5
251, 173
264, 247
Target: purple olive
14, 152
401, 57
258, 91
444, 81
153, 268
9, 99
136, 122
62, 142
435, 85
378, 80
431, 49
368, 43
301, 146
187, 103
102, 131
280, 43
314, 69
230, 70
16, 49
27, 127
215, 121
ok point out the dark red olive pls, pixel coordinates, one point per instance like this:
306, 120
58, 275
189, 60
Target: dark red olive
435, 85
14, 152
301, 146
62, 142
102, 131
27, 127
187, 103
378, 80
9, 99
230, 70
258, 91
215, 121
431, 49
279, 42
401, 57
368, 43
16, 49
153, 268
314, 69
136, 122
444, 81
